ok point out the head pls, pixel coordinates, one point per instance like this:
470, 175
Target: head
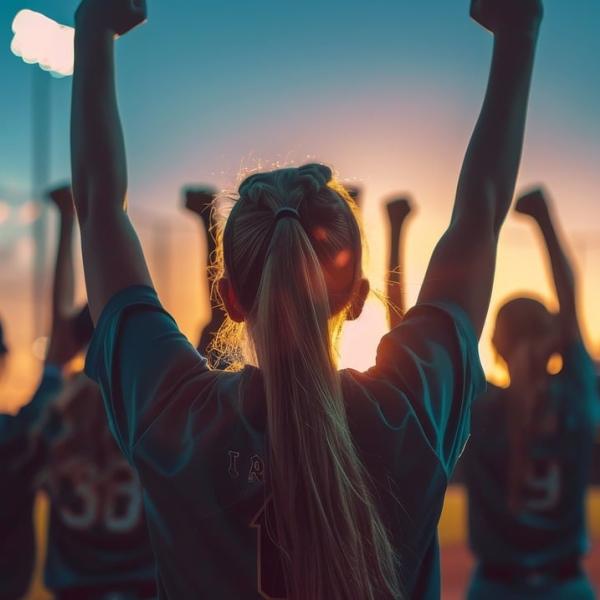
525, 328
526, 336
291, 279
327, 222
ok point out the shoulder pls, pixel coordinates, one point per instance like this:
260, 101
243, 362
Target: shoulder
375, 400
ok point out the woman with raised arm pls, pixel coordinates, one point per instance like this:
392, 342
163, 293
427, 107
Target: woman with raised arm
98, 547
200, 201
291, 479
529, 457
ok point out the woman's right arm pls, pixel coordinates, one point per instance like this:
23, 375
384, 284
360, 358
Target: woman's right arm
461, 269
113, 259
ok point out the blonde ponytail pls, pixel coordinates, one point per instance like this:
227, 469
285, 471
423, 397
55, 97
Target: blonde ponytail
332, 540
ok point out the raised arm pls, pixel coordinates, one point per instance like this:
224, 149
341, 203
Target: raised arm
397, 212
535, 204
462, 267
112, 255
200, 202
61, 343
356, 193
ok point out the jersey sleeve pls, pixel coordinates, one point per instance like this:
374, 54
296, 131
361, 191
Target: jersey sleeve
141, 361
432, 360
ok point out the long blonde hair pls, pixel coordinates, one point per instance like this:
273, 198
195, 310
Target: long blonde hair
332, 541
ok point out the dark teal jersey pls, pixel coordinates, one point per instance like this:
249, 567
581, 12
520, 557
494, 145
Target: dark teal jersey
550, 525
20, 460
97, 533
197, 438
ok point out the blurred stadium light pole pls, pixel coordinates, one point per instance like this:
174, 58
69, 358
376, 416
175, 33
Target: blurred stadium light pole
40, 177
40, 40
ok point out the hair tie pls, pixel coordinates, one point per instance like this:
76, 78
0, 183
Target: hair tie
286, 212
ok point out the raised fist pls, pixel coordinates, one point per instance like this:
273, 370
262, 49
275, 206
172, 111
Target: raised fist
116, 16
200, 200
355, 192
398, 209
508, 16
62, 198
533, 204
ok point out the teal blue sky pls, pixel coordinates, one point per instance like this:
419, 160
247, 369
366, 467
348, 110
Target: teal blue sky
207, 86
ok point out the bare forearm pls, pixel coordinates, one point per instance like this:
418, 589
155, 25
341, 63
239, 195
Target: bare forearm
462, 267
487, 180
63, 290
562, 271
395, 288
97, 145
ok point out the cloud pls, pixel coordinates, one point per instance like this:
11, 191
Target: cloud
40, 40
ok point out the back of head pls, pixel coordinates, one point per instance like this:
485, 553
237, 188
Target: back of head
519, 320
294, 274
524, 336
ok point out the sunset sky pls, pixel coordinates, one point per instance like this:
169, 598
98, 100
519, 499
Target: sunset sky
386, 92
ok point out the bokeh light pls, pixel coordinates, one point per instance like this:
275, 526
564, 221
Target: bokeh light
4, 212
29, 212
40, 347
40, 40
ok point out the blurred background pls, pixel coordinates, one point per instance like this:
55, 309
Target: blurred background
386, 92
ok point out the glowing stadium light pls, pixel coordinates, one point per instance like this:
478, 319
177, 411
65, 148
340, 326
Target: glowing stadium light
40, 40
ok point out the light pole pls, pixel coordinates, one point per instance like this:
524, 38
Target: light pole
40, 178
40, 40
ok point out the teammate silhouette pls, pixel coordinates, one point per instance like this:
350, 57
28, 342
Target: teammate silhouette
200, 201
529, 458
98, 547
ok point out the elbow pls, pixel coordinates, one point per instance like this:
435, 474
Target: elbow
97, 202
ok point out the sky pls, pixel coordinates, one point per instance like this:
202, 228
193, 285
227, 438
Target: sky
385, 92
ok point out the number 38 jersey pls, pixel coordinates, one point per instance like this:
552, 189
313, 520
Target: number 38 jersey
97, 531
549, 526
97, 534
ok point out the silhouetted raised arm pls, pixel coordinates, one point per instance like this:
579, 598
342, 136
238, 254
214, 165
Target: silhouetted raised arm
112, 255
356, 193
60, 344
462, 267
397, 212
200, 201
536, 205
